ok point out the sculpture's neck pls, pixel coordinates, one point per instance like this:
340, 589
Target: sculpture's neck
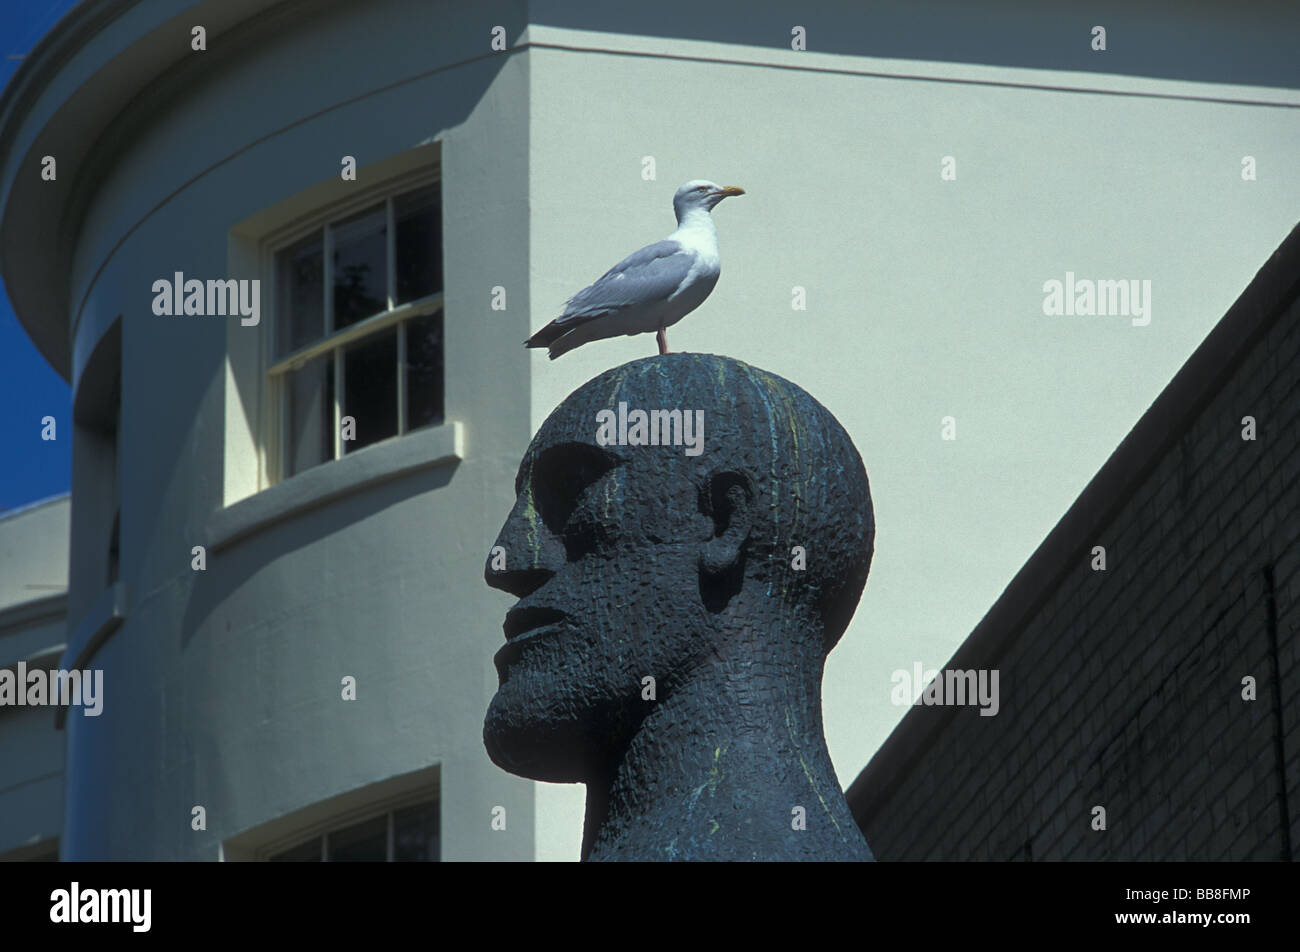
720, 770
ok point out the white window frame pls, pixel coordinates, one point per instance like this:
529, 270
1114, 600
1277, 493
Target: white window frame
276, 371
321, 832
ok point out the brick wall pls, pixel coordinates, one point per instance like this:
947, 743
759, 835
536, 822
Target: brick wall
1123, 688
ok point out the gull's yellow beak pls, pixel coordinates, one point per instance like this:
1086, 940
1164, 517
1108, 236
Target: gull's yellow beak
731, 190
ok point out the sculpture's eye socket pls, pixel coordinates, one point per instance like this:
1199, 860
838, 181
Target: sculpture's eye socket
562, 475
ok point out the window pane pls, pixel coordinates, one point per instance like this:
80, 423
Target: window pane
311, 414
370, 388
300, 312
416, 834
418, 220
308, 852
360, 267
363, 843
424, 396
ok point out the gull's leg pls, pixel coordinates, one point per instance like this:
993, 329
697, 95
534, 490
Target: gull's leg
663, 341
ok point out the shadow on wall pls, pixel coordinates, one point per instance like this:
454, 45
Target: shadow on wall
212, 588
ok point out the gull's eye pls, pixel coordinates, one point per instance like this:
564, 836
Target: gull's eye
702, 188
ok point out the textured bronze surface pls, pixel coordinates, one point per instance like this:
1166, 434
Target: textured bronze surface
681, 562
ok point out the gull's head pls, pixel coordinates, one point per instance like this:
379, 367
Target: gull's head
701, 194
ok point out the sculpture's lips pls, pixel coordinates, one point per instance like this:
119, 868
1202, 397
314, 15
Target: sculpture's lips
513, 649
523, 621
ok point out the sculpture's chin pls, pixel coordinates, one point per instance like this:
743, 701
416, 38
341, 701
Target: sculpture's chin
523, 743
531, 765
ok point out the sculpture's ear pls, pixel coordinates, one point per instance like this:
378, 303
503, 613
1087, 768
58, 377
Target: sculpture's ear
727, 497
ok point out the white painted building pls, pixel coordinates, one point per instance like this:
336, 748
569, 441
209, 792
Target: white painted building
33, 603
913, 178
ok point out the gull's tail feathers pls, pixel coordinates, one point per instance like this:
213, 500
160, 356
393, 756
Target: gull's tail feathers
546, 335
566, 343
582, 334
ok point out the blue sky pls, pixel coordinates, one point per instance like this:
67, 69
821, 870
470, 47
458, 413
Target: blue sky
30, 468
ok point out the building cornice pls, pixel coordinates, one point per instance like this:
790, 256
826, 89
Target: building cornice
66, 94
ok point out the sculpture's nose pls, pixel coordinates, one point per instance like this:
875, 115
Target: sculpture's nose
526, 554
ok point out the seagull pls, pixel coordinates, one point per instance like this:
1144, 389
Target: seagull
650, 289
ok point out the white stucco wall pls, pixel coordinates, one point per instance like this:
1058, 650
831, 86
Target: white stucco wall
34, 551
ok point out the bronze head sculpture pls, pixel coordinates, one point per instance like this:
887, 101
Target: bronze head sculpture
681, 578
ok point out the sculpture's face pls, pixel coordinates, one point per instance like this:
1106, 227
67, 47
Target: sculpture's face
602, 548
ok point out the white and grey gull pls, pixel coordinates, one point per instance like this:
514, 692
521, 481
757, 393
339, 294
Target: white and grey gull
652, 289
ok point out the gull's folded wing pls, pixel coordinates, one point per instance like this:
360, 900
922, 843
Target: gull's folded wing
647, 276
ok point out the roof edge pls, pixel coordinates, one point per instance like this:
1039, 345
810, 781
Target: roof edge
28, 507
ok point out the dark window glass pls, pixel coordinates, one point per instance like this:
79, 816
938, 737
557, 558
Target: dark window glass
308, 852
362, 843
424, 388
114, 547
418, 221
416, 834
301, 282
311, 414
360, 267
370, 388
